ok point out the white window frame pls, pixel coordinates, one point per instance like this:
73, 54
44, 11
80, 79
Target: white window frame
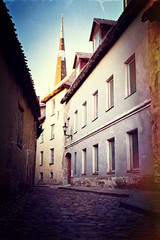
52, 131
95, 158
84, 114
110, 92
130, 153
75, 121
42, 137
110, 156
51, 157
41, 158
96, 41
95, 106
130, 78
84, 160
53, 107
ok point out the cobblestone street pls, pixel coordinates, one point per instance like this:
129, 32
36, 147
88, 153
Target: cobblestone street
50, 213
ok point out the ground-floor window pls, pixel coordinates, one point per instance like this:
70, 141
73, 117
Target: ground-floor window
41, 175
95, 159
111, 155
84, 158
132, 151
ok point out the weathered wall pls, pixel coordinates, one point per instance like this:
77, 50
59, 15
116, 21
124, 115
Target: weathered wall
16, 164
57, 143
127, 114
154, 70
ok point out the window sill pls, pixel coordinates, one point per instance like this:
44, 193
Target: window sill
41, 142
51, 138
52, 114
111, 172
40, 165
95, 173
130, 95
109, 108
75, 132
84, 126
133, 171
51, 163
95, 119
83, 174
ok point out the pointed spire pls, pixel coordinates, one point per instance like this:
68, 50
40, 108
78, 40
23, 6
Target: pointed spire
61, 60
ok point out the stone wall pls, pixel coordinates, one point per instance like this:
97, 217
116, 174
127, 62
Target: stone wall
124, 182
154, 69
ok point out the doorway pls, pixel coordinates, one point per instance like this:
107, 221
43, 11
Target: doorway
68, 159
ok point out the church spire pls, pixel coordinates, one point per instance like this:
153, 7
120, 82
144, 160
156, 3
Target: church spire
61, 60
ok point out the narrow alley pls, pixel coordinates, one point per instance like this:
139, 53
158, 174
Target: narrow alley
53, 213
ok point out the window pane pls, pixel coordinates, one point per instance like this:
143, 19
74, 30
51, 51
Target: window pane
135, 154
132, 72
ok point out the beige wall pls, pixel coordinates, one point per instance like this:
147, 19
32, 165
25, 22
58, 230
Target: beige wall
57, 143
16, 164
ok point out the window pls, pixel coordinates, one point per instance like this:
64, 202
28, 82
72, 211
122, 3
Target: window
131, 75
42, 137
96, 42
52, 131
51, 175
77, 70
110, 93
41, 175
84, 161
84, 114
95, 159
95, 105
53, 107
76, 121
133, 152
20, 127
75, 163
41, 158
51, 156
111, 156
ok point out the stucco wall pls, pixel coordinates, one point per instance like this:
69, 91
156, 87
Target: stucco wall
127, 114
17, 165
57, 143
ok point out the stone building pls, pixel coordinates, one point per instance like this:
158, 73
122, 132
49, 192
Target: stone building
151, 17
19, 113
109, 107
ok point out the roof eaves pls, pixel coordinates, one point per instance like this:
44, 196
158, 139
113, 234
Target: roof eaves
113, 35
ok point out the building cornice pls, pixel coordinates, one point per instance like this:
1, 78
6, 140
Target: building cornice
127, 114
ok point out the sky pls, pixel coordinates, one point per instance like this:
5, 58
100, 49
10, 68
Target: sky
38, 24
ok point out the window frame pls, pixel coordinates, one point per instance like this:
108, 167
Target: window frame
41, 158
111, 156
53, 107
75, 121
131, 152
84, 114
96, 41
131, 82
51, 157
52, 131
95, 106
84, 161
95, 160
110, 93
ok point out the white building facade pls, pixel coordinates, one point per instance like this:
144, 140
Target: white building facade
107, 110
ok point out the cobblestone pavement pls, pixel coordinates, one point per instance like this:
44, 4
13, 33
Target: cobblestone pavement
49, 213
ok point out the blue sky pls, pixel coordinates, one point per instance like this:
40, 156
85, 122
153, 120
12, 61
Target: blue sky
38, 25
